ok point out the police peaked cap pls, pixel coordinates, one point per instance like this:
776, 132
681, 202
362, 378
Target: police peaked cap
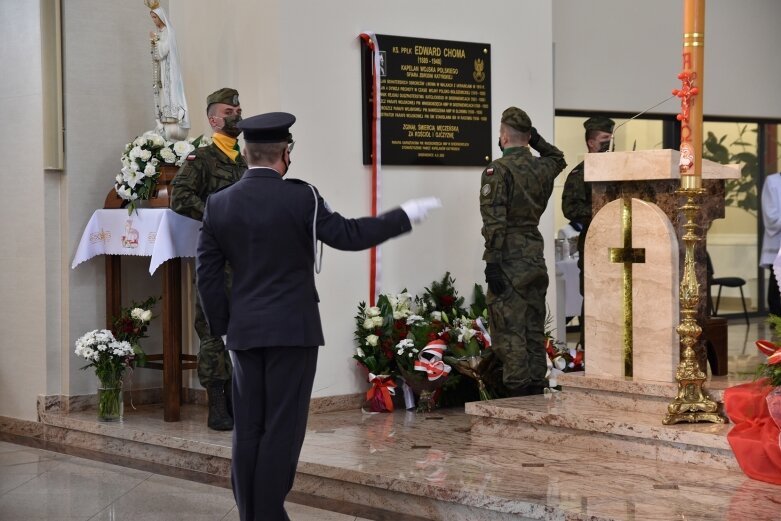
271, 127
600, 123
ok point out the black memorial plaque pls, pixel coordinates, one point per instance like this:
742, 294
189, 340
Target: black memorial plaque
435, 100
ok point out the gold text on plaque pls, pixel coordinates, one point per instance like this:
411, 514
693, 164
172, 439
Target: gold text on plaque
627, 255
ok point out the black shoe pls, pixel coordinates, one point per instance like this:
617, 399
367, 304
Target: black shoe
219, 419
526, 390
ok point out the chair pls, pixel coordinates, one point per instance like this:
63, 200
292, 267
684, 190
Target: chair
721, 282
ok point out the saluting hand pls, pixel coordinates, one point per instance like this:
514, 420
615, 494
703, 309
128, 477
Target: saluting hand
418, 209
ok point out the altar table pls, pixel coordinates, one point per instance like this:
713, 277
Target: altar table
165, 236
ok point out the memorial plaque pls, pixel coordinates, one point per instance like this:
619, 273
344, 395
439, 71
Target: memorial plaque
435, 101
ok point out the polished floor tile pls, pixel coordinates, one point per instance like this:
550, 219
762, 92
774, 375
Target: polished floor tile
551, 465
38, 485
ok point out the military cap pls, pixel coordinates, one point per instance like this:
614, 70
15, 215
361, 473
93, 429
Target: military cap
517, 119
224, 95
271, 127
600, 123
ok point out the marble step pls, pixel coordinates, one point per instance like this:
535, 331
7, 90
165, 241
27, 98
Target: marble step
625, 394
446, 465
591, 421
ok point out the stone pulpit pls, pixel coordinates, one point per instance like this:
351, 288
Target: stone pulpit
634, 257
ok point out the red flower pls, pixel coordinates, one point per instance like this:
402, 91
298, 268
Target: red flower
445, 335
447, 300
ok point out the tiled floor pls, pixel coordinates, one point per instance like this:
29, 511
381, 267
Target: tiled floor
37, 484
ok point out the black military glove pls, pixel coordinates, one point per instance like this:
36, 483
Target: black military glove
534, 138
495, 278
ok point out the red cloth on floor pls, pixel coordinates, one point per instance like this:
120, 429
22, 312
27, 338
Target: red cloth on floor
755, 437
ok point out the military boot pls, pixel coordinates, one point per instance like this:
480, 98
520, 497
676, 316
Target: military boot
219, 419
229, 397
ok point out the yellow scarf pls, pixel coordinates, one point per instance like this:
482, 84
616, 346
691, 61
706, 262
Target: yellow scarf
227, 144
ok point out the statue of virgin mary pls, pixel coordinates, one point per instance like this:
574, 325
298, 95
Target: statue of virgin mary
173, 118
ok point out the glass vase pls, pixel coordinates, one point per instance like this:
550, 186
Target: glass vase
110, 405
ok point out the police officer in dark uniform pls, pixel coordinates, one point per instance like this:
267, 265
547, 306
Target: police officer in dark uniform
266, 227
514, 193
576, 197
207, 170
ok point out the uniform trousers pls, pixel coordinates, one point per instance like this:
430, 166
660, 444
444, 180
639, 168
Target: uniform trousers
272, 387
517, 321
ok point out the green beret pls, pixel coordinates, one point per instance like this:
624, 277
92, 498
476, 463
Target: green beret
600, 123
224, 95
517, 119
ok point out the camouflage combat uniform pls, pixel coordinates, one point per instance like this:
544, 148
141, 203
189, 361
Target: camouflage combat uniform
576, 206
514, 193
206, 170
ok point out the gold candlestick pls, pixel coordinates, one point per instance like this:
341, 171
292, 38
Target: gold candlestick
691, 403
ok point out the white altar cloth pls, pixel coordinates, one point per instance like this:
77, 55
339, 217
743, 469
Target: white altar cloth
159, 233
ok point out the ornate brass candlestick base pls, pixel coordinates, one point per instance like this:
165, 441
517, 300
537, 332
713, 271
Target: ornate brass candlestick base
692, 404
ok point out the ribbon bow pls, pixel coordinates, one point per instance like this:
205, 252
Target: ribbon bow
430, 360
381, 390
770, 349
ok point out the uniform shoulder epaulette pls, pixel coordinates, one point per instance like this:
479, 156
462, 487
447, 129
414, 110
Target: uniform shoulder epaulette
297, 181
220, 189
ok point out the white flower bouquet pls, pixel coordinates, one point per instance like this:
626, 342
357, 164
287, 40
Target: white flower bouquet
110, 357
141, 162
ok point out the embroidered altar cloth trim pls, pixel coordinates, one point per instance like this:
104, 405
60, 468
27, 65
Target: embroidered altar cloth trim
159, 233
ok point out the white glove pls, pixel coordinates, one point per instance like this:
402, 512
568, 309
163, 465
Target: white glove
224, 339
417, 209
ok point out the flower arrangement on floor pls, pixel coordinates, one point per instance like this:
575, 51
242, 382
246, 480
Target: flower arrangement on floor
141, 162
112, 353
561, 359
417, 341
755, 409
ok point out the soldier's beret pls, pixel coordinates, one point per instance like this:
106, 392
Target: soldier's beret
224, 95
517, 119
600, 123
271, 127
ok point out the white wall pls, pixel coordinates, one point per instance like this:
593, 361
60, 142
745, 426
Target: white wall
22, 283
303, 57
624, 55
108, 102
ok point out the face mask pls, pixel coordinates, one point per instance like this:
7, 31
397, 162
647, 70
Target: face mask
500, 145
604, 146
287, 164
229, 126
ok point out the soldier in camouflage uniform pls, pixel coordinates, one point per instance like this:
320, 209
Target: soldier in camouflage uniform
576, 197
514, 193
207, 170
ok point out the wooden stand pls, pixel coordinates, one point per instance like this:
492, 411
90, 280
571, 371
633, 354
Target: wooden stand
172, 362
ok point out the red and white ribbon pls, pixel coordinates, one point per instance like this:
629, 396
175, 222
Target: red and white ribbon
484, 331
375, 254
383, 387
430, 360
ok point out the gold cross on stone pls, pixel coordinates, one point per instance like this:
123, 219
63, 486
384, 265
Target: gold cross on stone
627, 255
